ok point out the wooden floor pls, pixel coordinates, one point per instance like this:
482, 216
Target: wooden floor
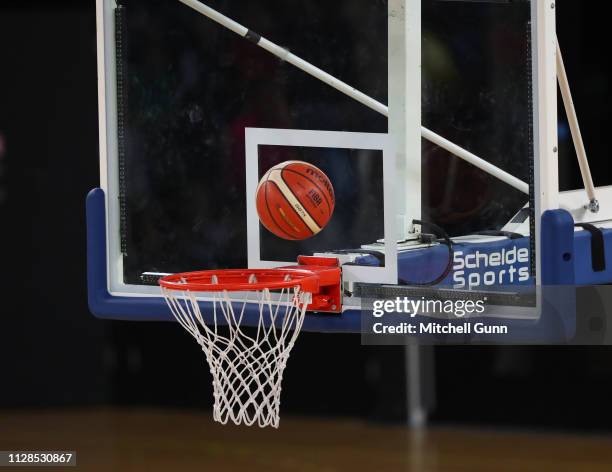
128, 440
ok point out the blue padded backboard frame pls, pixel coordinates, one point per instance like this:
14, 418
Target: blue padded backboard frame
583, 267
104, 305
566, 254
565, 261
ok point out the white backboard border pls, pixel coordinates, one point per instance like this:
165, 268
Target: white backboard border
255, 137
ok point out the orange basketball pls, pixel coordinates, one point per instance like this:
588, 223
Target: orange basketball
295, 200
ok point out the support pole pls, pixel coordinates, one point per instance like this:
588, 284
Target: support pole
572, 118
352, 92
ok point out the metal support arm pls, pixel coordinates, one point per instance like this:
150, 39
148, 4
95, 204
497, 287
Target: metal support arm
352, 92
572, 118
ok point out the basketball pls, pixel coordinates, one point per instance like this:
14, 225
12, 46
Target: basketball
295, 200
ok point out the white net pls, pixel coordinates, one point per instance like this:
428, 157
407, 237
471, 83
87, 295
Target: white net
246, 364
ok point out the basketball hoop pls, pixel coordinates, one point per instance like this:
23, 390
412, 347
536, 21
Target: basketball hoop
247, 365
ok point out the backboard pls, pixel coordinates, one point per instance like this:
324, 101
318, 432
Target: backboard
424, 111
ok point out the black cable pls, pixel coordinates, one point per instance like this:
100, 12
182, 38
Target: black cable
505, 234
439, 236
443, 239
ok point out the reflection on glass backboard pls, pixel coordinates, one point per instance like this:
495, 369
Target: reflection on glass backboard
194, 115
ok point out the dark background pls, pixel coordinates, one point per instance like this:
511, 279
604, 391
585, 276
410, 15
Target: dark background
54, 353
189, 87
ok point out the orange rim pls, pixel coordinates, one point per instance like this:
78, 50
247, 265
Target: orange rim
241, 280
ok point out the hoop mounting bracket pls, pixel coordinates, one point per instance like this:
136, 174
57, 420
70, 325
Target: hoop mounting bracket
329, 297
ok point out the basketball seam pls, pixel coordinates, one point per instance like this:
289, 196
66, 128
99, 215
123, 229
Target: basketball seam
294, 202
304, 206
315, 184
282, 230
312, 233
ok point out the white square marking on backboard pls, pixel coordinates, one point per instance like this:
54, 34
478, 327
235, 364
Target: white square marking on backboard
254, 137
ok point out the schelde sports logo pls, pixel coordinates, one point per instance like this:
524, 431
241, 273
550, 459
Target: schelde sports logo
484, 269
